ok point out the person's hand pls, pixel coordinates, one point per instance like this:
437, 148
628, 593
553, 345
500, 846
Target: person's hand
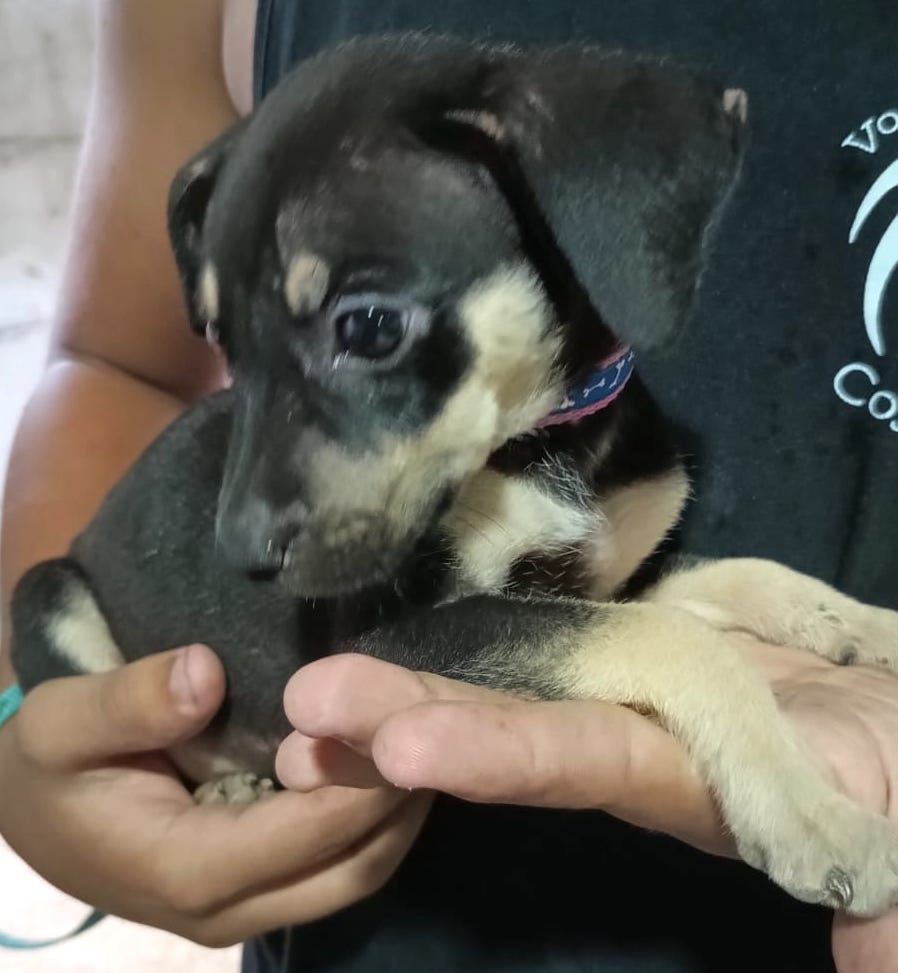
90, 805
361, 722
849, 716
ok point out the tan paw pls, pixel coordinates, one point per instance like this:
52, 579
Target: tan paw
823, 848
233, 789
850, 633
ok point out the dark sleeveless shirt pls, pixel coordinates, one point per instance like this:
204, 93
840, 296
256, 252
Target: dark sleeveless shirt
786, 386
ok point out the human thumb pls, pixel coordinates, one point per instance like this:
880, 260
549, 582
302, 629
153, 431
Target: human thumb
146, 705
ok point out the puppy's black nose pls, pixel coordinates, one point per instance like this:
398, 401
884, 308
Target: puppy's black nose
255, 538
269, 560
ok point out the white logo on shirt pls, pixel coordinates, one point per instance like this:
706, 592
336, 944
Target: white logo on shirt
867, 136
857, 384
885, 257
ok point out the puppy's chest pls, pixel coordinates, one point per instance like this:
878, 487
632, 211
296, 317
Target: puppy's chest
524, 534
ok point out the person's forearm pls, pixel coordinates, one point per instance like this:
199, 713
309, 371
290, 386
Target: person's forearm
84, 425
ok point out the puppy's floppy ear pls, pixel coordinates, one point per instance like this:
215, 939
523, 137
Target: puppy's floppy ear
627, 162
188, 201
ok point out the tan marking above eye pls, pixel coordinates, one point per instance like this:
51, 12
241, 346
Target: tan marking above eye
207, 293
305, 287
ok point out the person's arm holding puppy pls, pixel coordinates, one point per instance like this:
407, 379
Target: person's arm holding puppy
93, 810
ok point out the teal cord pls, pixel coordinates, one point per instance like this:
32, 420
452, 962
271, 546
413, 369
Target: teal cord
13, 942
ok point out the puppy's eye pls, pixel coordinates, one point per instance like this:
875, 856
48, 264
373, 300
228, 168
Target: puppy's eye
370, 330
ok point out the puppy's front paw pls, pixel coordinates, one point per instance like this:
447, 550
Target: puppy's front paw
854, 633
822, 848
233, 789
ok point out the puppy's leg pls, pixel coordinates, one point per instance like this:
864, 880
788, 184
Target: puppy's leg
784, 607
59, 630
57, 626
786, 818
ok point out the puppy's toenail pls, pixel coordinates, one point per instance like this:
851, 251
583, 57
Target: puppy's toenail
839, 888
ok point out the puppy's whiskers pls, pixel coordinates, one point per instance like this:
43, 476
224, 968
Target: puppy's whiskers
481, 515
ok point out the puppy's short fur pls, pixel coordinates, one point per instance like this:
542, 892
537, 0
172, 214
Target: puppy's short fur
408, 254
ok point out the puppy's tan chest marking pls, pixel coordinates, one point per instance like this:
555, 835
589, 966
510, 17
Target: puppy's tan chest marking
497, 519
638, 518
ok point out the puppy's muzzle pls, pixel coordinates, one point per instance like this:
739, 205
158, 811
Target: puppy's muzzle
256, 538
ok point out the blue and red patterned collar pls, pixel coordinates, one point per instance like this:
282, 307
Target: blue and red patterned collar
598, 390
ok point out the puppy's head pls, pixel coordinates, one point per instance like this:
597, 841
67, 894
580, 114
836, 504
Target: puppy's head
406, 253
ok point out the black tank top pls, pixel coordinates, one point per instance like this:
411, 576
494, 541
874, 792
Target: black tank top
786, 385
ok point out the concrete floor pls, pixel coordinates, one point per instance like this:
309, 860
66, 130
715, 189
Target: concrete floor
45, 65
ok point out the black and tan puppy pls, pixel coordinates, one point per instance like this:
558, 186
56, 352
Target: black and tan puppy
426, 262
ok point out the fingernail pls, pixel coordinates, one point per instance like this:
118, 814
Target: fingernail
180, 684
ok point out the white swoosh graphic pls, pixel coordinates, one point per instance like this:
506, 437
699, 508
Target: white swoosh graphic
885, 257
882, 267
